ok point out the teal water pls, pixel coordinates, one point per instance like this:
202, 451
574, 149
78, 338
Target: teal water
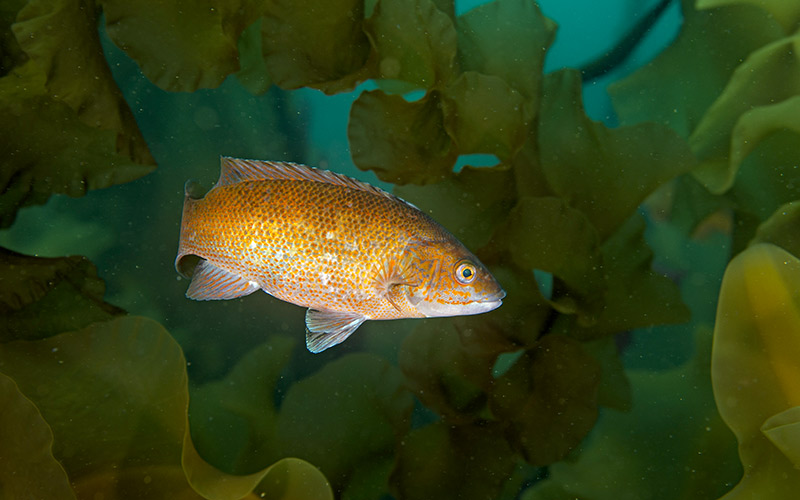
609, 209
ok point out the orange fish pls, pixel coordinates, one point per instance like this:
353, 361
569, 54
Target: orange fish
344, 249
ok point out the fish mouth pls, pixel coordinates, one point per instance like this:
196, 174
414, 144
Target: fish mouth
495, 297
490, 302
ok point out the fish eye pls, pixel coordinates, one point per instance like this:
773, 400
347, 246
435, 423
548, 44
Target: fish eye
465, 272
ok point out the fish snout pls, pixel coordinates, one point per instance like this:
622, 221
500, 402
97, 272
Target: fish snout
498, 296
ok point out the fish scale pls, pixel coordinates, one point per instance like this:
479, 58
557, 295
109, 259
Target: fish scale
344, 249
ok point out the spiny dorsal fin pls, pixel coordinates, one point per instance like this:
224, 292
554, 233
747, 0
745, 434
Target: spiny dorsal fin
235, 170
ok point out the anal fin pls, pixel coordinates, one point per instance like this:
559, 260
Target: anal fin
209, 282
326, 329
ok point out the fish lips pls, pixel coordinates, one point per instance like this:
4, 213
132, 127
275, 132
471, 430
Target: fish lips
490, 303
433, 309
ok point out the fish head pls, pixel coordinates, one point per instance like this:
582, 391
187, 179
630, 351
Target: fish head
451, 281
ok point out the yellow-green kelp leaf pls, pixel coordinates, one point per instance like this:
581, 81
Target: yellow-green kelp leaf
286, 479
47, 149
115, 396
484, 115
40, 296
782, 228
756, 124
783, 430
443, 461
786, 12
470, 204
181, 46
310, 43
65, 126
636, 296
671, 444
345, 416
605, 173
67, 65
727, 35
233, 420
402, 142
545, 233
253, 73
746, 112
549, 399
415, 42
767, 178
509, 39
27, 466
755, 371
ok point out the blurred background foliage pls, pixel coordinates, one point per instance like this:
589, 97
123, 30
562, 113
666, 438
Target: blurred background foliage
596, 379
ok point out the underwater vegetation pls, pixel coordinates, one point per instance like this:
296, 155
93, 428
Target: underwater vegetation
600, 236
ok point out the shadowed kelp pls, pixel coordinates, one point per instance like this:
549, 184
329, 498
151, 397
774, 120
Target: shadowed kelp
65, 127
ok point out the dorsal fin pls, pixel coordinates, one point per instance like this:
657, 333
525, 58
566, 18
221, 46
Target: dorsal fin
235, 170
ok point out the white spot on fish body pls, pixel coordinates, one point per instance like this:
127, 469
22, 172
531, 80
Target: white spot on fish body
279, 254
252, 244
330, 235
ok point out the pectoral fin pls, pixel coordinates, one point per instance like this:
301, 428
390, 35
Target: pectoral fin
389, 280
327, 328
209, 282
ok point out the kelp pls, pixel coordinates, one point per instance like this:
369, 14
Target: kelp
754, 368
785, 13
745, 113
782, 228
739, 119
415, 43
65, 126
577, 165
671, 444
181, 46
347, 416
27, 464
233, 419
668, 441
338, 49
40, 297
125, 432
728, 36
442, 461
549, 399
400, 141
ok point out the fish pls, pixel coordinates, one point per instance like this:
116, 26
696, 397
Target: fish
344, 249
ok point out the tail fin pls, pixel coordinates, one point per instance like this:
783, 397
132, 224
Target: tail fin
192, 189
183, 264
